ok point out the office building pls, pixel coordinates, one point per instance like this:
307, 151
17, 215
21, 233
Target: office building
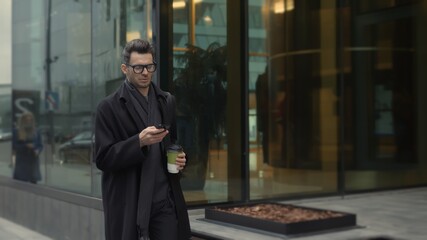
276, 99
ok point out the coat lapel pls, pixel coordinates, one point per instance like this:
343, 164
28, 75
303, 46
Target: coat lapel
161, 99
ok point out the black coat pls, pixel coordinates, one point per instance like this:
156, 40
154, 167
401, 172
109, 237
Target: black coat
120, 157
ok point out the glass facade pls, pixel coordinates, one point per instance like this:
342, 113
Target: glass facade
335, 96
200, 86
332, 92
293, 88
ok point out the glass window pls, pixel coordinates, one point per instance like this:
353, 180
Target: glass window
383, 89
200, 85
6, 163
367, 6
336, 92
292, 96
114, 24
370, 61
52, 81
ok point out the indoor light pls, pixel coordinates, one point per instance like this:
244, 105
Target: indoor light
180, 4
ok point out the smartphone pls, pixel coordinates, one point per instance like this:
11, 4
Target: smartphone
162, 126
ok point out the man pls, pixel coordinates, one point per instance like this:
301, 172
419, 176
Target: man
141, 199
263, 108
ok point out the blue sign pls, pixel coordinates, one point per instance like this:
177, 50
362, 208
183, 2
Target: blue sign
51, 100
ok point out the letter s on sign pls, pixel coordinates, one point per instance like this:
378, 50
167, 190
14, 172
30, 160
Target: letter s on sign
19, 105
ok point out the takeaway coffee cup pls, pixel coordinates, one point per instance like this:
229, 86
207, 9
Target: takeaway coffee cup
172, 153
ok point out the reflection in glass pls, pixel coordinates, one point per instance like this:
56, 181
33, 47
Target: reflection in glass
297, 142
6, 126
26, 146
200, 85
262, 111
6, 161
77, 149
382, 87
327, 83
51, 69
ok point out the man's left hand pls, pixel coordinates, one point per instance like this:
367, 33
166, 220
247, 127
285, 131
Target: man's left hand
180, 161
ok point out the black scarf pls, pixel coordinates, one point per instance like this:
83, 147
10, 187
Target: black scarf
154, 185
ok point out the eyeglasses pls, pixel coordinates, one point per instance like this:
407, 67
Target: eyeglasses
140, 68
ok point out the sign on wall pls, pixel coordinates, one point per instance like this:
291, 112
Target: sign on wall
25, 101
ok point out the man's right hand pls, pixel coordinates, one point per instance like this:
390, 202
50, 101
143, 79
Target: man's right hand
151, 135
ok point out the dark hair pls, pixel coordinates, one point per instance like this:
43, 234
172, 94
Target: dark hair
139, 46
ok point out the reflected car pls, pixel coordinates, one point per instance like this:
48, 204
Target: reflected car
5, 135
78, 149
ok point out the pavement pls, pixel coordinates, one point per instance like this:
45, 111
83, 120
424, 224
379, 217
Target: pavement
12, 231
384, 215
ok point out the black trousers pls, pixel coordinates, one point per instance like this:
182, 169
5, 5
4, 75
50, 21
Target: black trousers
163, 221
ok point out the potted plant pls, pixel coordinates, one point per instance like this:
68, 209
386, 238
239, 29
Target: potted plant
200, 90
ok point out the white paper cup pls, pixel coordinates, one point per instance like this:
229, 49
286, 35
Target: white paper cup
172, 153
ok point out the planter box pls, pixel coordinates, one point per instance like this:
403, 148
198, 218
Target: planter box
281, 218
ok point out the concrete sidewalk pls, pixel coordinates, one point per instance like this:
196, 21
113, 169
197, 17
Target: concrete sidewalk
397, 215
12, 231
